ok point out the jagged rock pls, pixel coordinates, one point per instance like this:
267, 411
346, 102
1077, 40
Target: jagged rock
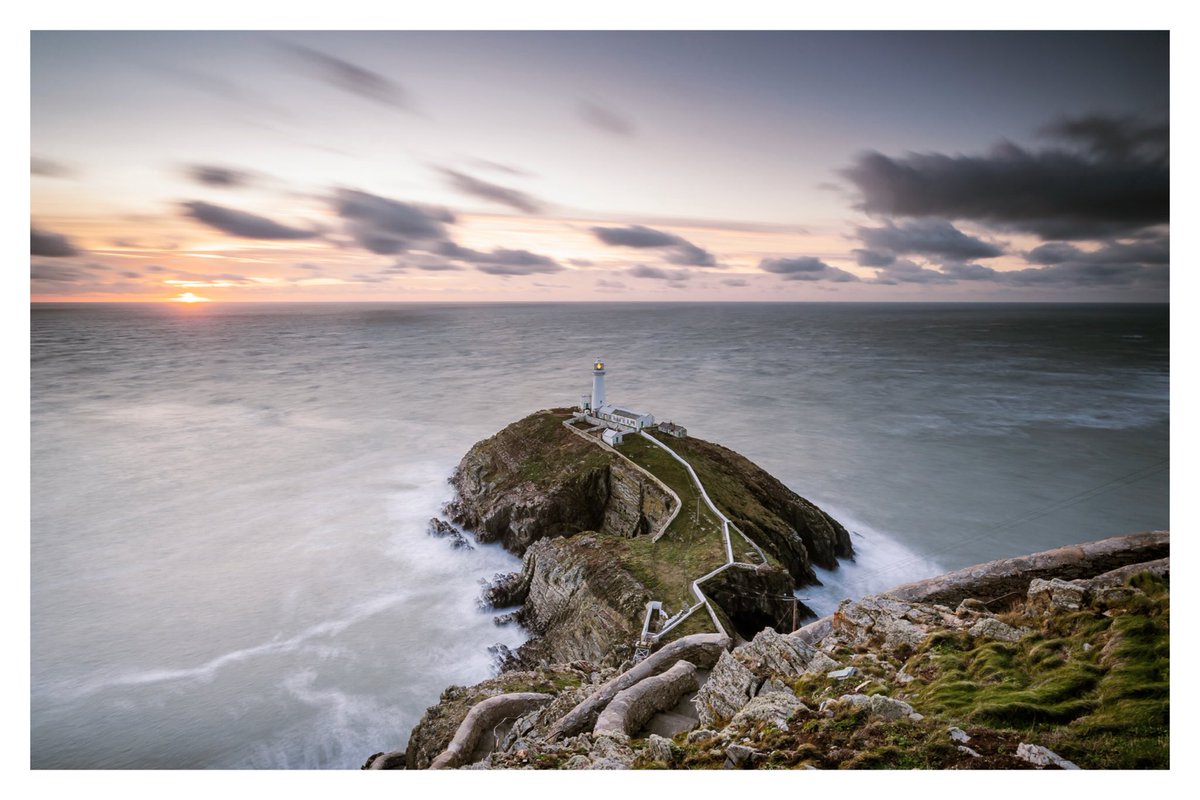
770, 653
659, 749
1062, 594
1006, 576
773, 685
500, 620
700, 734
992, 628
534, 479
505, 589
1042, 756
444, 530
775, 708
903, 678
728, 688
393, 760
482, 717
962, 748
611, 751
701, 649
970, 606
632, 708
842, 674
738, 756
577, 762
959, 735
877, 705
580, 603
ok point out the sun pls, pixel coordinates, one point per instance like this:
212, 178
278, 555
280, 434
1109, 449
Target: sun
188, 297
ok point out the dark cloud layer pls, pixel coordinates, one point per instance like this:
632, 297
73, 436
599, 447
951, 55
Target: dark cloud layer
500, 261
242, 223
50, 245
387, 227
352, 78
659, 274
495, 193
806, 268
680, 250
933, 238
224, 177
1110, 178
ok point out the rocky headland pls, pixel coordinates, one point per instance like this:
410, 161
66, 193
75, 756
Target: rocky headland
1054, 660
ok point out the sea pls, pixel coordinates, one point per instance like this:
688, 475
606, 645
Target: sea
229, 562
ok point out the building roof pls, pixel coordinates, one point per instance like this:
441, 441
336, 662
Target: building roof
609, 408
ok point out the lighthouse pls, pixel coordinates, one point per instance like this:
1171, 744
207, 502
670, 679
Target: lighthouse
598, 383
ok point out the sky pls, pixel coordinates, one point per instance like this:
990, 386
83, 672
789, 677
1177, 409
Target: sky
587, 165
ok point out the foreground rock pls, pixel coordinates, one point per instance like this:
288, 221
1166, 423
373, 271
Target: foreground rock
888, 683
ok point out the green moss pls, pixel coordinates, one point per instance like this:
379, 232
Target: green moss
1094, 688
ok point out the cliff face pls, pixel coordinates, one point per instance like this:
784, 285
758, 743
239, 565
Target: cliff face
790, 528
579, 603
534, 480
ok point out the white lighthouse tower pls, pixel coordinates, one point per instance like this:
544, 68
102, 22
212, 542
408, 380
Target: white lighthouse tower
598, 384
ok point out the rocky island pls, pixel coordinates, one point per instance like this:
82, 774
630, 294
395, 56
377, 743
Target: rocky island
657, 586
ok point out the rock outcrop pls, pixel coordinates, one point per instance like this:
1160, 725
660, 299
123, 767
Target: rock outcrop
1010, 577
579, 603
534, 480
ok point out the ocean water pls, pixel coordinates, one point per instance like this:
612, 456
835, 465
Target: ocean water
229, 564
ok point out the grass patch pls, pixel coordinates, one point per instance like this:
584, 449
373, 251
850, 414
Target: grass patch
1094, 688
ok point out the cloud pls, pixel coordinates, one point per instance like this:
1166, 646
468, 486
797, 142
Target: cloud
1074, 274
671, 276
50, 245
500, 261
806, 268
490, 191
601, 283
353, 79
496, 166
872, 258
1154, 251
45, 168
736, 282
934, 238
1115, 181
224, 177
387, 227
639, 236
904, 271
1114, 138
241, 223
606, 119
56, 273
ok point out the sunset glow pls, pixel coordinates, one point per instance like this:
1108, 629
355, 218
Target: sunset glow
188, 297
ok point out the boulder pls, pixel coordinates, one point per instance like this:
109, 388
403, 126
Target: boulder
877, 705
444, 530
842, 674
1042, 756
729, 687
738, 756
659, 749
775, 708
959, 735
992, 628
1061, 594
771, 653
